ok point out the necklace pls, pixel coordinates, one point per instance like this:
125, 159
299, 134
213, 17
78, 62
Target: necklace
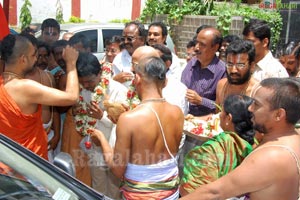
12, 74
225, 91
154, 100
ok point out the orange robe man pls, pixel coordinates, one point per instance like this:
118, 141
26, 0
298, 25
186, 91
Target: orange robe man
25, 129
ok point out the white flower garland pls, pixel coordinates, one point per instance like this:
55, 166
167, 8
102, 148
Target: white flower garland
84, 123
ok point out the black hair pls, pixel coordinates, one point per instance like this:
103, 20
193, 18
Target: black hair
80, 38
166, 52
12, 47
164, 29
230, 38
115, 39
50, 22
191, 43
259, 28
87, 64
290, 48
237, 106
59, 43
241, 46
28, 30
286, 95
42, 44
141, 28
152, 68
31, 38
204, 26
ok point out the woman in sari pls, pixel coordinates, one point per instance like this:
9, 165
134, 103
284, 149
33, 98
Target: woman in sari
224, 152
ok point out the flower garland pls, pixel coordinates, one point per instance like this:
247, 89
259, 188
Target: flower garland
84, 123
132, 97
208, 128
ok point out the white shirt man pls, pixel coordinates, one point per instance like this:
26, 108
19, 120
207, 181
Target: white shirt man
269, 67
102, 178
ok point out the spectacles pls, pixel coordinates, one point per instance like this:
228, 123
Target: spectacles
129, 38
112, 50
134, 64
238, 66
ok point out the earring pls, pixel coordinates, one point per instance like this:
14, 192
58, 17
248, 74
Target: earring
226, 124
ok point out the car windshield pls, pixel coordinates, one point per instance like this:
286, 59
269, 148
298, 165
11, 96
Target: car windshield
21, 179
16, 186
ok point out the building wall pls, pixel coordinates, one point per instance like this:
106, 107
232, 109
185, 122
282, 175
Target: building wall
183, 32
91, 10
105, 10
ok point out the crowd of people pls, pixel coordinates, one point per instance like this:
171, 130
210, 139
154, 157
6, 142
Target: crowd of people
122, 118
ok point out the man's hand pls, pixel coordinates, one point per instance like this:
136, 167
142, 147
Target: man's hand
70, 56
94, 111
123, 77
193, 97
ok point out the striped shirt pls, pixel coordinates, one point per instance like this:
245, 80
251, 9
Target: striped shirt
204, 82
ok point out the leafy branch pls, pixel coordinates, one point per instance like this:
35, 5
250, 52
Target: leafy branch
25, 16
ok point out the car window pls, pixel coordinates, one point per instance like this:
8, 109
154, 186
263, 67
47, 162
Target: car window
108, 33
20, 178
93, 37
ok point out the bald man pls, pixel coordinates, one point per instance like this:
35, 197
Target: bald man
147, 124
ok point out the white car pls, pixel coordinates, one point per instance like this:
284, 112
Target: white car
98, 33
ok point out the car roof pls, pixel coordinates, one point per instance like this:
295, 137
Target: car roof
74, 26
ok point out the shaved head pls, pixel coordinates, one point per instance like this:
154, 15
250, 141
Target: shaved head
144, 52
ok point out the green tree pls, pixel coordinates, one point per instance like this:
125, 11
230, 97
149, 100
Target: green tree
59, 12
224, 11
25, 16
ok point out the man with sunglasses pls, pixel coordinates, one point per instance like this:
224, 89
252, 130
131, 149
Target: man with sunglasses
134, 36
240, 56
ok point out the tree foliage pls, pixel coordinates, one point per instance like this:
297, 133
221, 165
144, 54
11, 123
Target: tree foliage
224, 10
59, 12
25, 15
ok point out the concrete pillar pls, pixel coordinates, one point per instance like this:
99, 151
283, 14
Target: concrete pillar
76, 4
10, 10
136, 9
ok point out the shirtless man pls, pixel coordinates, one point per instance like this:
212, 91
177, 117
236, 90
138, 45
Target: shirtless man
271, 171
240, 56
20, 99
50, 116
148, 124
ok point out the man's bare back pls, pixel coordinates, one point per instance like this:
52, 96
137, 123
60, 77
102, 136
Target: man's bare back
145, 130
47, 79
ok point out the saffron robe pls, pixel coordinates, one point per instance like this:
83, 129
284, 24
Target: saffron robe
25, 129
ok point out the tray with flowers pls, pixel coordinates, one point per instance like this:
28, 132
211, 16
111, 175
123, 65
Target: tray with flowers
202, 129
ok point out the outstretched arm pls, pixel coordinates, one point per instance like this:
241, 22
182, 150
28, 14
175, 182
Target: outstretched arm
118, 157
250, 176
